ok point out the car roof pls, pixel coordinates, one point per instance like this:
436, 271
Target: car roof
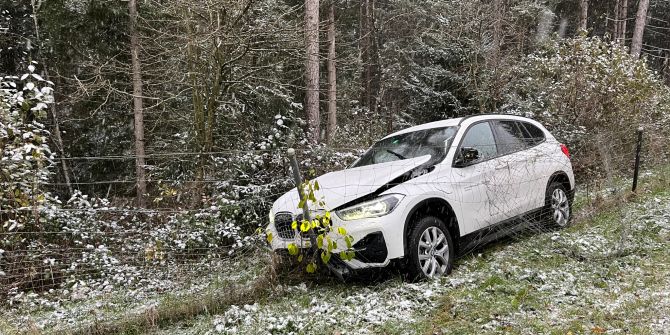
430, 125
458, 121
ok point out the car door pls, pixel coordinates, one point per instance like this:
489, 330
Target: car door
516, 191
477, 182
540, 163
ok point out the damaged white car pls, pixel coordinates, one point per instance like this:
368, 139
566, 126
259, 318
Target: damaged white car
428, 193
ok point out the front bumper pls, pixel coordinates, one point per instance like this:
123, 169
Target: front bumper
375, 240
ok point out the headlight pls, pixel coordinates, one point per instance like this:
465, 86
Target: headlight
371, 209
272, 217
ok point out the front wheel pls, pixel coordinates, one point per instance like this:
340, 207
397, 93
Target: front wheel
430, 249
557, 210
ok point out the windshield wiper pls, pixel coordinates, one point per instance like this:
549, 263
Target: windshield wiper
396, 154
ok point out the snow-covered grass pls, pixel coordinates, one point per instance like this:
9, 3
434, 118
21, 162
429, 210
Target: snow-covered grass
605, 274
573, 280
608, 273
90, 304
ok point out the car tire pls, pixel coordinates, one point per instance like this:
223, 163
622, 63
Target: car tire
427, 256
557, 211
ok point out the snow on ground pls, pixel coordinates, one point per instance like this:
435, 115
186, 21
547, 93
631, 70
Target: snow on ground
560, 281
95, 300
583, 279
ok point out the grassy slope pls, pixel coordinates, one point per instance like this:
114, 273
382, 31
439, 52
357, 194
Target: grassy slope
577, 280
574, 280
553, 282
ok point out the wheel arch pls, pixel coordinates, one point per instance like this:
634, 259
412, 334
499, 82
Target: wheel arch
562, 177
437, 207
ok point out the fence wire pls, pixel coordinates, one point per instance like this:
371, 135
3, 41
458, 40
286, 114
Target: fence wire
89, 247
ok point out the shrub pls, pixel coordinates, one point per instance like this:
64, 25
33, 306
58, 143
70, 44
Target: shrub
590, 93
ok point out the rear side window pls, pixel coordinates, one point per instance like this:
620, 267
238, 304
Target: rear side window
533, 135
510, 137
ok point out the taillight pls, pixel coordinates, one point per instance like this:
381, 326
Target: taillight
565, 150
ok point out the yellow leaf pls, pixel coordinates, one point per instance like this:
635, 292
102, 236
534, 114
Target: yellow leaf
294, 225
269, 237
325, 257
311, 268
348, 241
304, 226
342, 231
292, 249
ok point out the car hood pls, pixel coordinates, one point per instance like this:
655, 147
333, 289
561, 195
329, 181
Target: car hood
340, 187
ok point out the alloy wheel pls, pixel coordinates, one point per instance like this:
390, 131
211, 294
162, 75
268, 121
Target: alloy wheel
433, 252
560, 206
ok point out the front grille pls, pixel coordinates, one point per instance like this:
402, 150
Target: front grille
283, 225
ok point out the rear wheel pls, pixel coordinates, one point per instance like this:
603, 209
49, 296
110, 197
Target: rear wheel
430, 249
557, 209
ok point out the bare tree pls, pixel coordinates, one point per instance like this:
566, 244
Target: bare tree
583, 15
312, 69
332, 74
638, 33
138, 109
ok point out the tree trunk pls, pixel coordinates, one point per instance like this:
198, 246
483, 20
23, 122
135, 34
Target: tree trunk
364, 46
312, 69
621, 20
52, 107
370, 75
138, 110
332, 74
496, 54
615, 29
583, 15
638, 33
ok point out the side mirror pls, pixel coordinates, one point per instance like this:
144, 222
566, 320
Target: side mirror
466, 156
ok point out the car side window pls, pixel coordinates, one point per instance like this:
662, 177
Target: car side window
533, 135
480, 137
510, 137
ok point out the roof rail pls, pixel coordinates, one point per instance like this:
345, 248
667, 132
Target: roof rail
487, 114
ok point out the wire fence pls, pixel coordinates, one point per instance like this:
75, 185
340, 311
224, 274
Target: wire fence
85, 247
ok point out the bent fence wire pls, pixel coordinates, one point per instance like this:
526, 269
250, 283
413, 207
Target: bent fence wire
91, 247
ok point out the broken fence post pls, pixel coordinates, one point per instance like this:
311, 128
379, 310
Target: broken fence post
298, 182
301, 194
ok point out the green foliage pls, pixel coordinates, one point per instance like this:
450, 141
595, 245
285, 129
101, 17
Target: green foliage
26, 157
589, 86
586, 82
318, 238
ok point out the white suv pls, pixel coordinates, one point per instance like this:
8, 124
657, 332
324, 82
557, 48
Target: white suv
427, 193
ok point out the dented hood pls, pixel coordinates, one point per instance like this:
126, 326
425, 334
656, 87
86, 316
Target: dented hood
340, 187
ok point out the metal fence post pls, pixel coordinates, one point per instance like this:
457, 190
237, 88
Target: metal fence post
637, 157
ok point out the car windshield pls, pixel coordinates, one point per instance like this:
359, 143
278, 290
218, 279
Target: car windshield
434, 142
